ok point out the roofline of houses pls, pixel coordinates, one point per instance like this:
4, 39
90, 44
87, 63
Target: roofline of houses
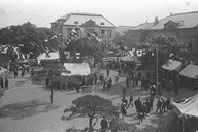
152, 28
80, 25
183, 13
87, 14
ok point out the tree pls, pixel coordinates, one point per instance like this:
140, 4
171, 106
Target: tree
165, 46
86, 47
28, 38
91, 106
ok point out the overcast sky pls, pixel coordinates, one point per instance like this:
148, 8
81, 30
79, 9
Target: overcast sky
119, 12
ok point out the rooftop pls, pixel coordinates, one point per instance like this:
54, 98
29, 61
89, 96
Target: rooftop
122, 29
185, 20
83, 17
142, 26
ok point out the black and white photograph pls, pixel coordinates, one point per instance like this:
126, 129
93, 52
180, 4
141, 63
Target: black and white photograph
98, 66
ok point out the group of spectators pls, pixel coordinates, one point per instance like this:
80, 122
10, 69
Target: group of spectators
4, 83
144, 108
23, 71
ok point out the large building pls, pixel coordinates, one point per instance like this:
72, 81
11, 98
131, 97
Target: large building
180, 25
87, 23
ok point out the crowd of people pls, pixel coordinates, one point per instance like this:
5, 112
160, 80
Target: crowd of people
144, 108
4, 83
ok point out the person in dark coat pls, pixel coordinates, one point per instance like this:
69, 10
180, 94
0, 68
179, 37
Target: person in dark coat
167, 104
124, 91
109, 83
6, 83
107, 72
138, 104
104, 125
1, 82
104, 84
148, 106
127, 82
141, 115
163, 105
159, 105
125, 101
130, 100
123, 109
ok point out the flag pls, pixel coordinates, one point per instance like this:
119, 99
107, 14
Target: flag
93, 36
138, 53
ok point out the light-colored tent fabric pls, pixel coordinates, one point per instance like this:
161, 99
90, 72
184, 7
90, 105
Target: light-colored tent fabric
77, 69
190, 71
172, 65
50, 56
2, 70
188, 106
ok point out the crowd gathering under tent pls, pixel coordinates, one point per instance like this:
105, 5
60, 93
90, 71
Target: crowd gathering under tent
184, 116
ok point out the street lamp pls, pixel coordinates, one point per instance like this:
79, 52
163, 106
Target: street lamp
157, 59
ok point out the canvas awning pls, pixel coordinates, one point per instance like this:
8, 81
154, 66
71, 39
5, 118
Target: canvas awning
2, 70
49, 56
172, 65
190, 71
188, 106
76, 69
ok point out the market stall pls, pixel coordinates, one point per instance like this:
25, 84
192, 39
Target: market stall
3, 72
186, 114
189, 76
50, 57
81, 69
172, 65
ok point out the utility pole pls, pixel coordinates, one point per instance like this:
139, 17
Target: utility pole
51, 75
157, 59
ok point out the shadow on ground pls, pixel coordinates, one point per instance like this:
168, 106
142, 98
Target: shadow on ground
38, 81
22, 110
20, 83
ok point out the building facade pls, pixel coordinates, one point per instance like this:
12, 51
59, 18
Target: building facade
183, 26
86, 23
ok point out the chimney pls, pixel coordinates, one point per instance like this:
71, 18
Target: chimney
156, 21
146, 21
171, 13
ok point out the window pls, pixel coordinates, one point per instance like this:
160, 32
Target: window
109, 33
102, 23
76, 22
102, 31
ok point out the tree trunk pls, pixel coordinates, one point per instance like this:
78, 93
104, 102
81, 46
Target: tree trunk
90, 123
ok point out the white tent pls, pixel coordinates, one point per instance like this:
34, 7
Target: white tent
189, 106
190, 71
77, 69
2, 70
49, 56
172, 65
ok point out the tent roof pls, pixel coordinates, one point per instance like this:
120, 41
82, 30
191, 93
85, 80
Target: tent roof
172, 65
188, 106
2, 70
190, 71
77, 69
51, 56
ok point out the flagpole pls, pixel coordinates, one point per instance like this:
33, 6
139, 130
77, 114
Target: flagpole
157, 59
